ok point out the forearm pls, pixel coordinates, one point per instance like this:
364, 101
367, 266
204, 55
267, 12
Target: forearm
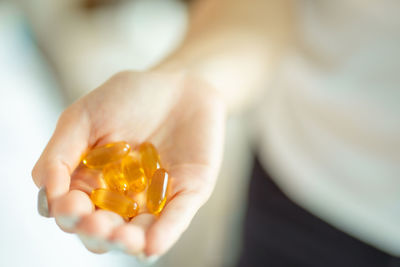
234, 45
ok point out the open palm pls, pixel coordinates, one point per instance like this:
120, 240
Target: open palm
182, 116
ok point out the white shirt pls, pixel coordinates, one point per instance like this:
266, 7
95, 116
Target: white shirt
331, 122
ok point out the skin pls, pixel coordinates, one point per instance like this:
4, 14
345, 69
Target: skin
180, 106
187, 127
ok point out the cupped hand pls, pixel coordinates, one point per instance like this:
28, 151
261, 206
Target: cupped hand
182, 116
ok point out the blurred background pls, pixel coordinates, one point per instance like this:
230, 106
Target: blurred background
54, 51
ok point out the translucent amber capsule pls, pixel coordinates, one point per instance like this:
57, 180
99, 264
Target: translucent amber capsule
115, 178
157, 191
134, 174
149, 158
114, 201
103, 155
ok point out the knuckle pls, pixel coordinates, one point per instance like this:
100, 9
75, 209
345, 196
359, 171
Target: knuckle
122, 76
35, 174
65, 115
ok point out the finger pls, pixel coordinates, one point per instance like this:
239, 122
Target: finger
86, 179
94, 244
94, 229
132, 236
69, 209
174, 220
62, 154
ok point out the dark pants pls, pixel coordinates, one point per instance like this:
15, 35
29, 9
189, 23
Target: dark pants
277, 232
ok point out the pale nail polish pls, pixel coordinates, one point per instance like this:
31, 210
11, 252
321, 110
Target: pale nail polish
141, 257
152, 259
117, 247
94, 243
147, 260
67, 222
42, 205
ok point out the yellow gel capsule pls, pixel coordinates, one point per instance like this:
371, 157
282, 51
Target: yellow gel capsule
103, 155
149, 158
114, 201
134, 174
157, 191
114, 177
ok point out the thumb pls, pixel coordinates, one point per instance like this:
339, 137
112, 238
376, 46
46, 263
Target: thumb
52, 172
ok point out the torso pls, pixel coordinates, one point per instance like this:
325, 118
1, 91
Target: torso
331, 121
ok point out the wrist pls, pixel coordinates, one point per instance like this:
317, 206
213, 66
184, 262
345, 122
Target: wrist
169, 87
190, 79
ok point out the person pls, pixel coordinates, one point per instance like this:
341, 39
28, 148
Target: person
324, 76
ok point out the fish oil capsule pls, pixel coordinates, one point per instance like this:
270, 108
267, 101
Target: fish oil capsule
114, 177
134, 174
103, 155
114, 201
149, 158
157, 191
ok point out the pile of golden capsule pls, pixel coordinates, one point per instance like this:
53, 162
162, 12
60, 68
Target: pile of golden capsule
128, 173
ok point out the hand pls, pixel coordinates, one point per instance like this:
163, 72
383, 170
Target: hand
182, 116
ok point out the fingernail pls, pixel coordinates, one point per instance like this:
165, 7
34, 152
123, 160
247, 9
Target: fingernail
152, 259
94, 243
117, 247
43, 206
147, 260
67, 222
141, 257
